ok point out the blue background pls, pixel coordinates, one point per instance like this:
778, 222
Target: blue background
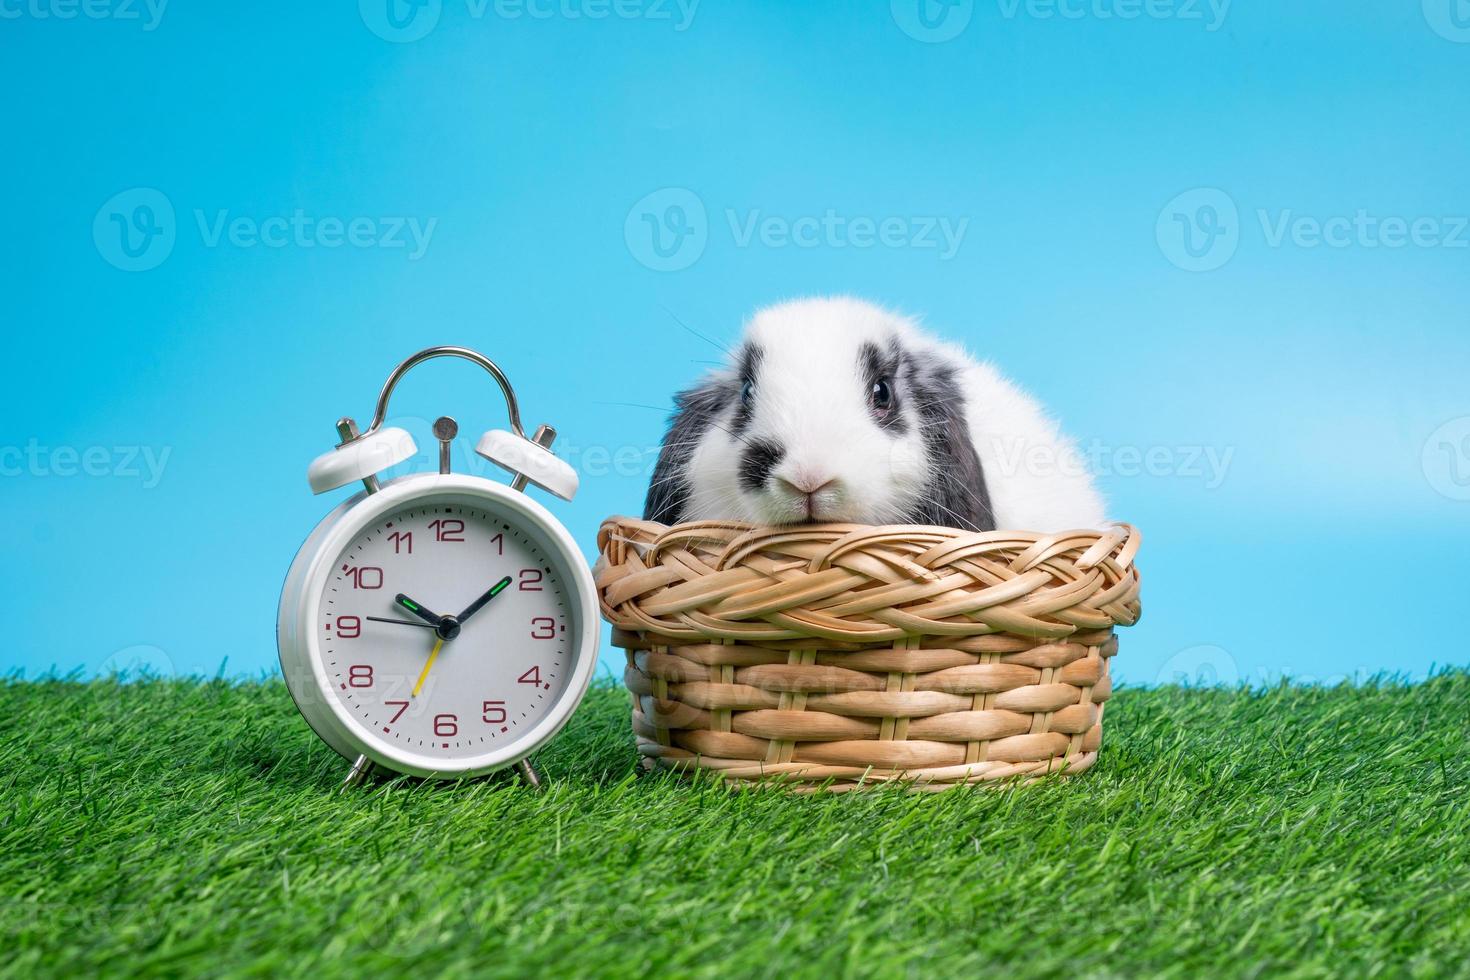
1333, 377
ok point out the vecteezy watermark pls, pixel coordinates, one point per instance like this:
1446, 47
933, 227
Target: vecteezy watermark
136, 230
147, 13
1450, 19
1209, 13
143, 463
405, 21
833, 230
400, 21
301, 230
932, 21
936, 21
1447, 459
139, 662
1363, 229
1200, 666
596, 461
1208, 665
590, 460
409, 922
1208, 466
1201, 230
669, 229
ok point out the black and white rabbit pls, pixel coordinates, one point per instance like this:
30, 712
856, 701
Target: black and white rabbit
838, 411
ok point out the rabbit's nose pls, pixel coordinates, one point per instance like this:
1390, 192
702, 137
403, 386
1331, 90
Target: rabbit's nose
807, 483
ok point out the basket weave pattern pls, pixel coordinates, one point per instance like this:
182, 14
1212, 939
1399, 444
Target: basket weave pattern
839, 657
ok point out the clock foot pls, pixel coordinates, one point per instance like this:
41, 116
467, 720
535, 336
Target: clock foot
361, 769
529, 774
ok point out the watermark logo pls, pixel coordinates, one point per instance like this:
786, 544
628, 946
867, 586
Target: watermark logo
139, 662
590, 460
830, 229
678, 12
1450, 19
1363, 229
1208, 466
145, 464
135, 230
400, 21
1200, 666
667, 230
301, 230
403, 928
1210, 13
148, 13
404, 21
1199, 230
932, 21
1447, 459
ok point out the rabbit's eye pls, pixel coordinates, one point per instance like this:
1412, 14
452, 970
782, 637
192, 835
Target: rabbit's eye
881, 395
747, 393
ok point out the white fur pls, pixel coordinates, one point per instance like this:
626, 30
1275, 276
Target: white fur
811, 401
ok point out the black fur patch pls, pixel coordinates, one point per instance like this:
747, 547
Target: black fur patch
695, 410
750, 365
957, 495
880, 365
756, 463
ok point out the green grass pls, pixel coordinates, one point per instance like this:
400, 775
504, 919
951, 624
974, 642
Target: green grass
172, 827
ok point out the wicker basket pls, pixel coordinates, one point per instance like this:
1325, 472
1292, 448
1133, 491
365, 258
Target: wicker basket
841, 657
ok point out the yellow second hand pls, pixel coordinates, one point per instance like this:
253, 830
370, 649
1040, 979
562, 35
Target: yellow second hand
433, 655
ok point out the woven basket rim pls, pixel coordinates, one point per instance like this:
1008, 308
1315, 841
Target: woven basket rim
652, 534
685, 582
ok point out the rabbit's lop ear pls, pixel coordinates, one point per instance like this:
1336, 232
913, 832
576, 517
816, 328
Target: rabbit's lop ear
957, 495
695, 410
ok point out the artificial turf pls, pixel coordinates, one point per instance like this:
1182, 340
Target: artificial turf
171, 827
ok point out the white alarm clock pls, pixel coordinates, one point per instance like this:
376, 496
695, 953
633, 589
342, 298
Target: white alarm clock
438, 624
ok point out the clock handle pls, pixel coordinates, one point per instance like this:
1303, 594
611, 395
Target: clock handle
362, 455
512, 406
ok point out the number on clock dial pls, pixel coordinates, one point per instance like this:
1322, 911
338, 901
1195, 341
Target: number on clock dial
447, 530
369, 578
496, 678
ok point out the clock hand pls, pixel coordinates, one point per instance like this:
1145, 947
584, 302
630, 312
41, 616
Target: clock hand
400, 622
433, 655
446, 626
404, 602
491, 593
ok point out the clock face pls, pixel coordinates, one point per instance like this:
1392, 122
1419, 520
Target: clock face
446, 629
